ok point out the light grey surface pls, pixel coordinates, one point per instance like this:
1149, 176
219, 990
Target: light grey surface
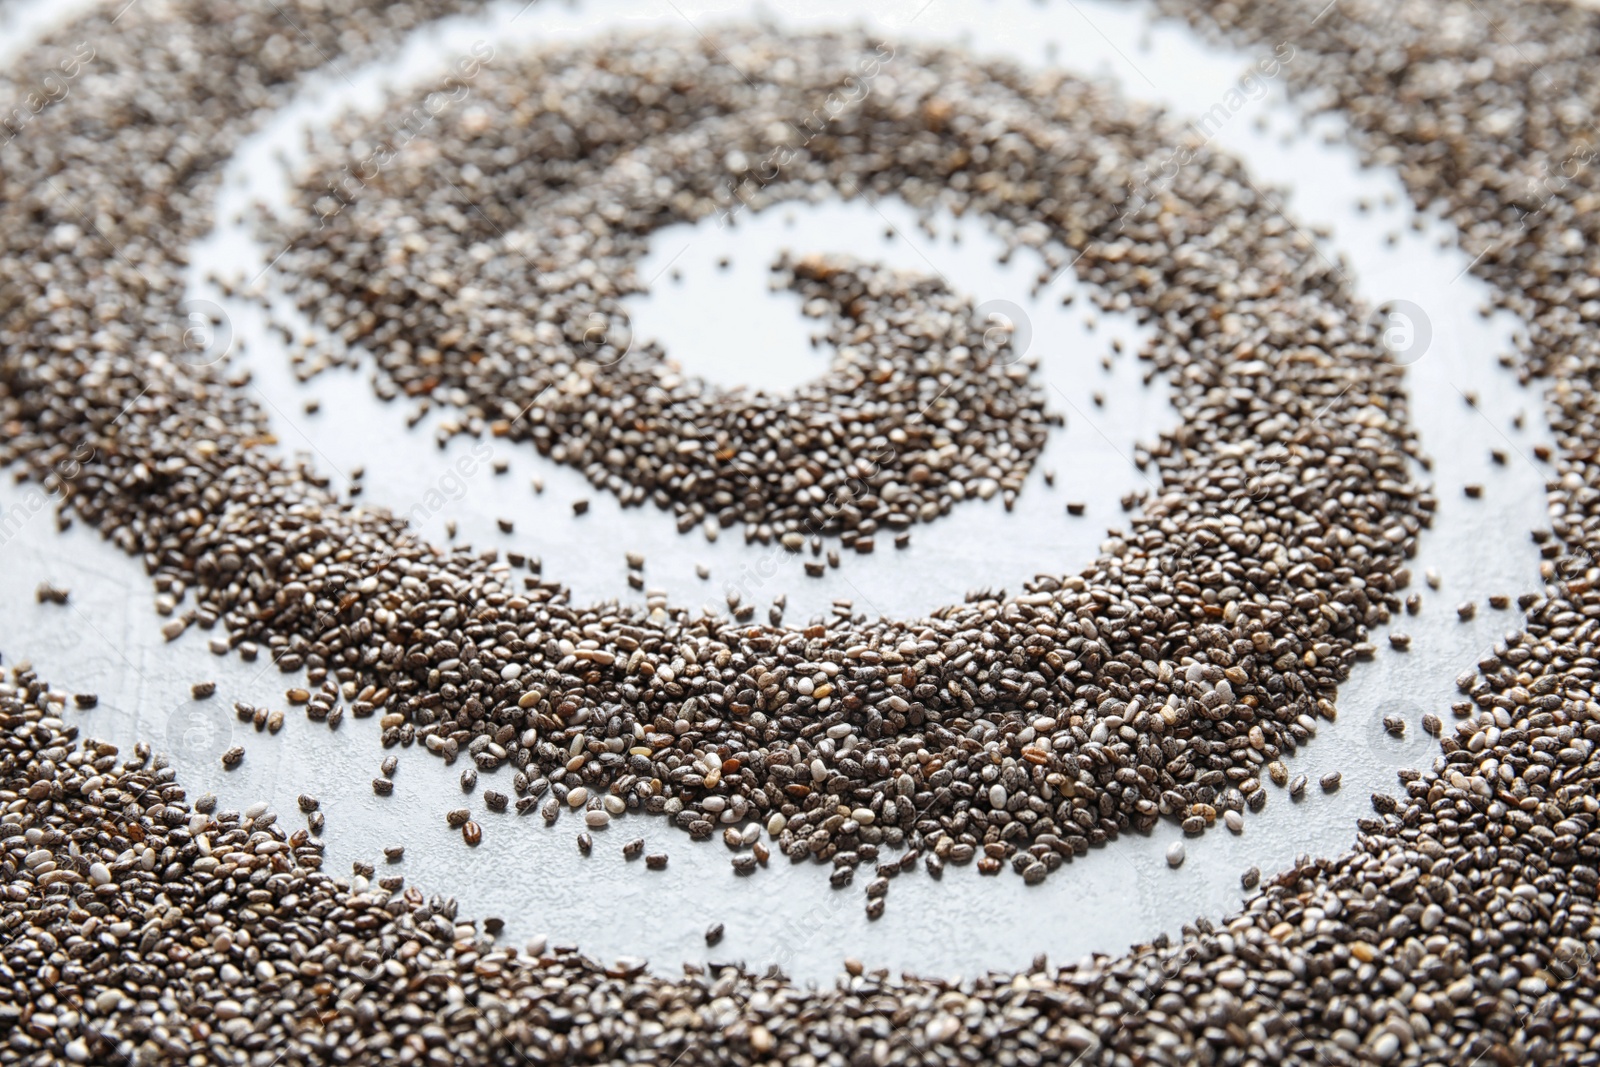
107, 640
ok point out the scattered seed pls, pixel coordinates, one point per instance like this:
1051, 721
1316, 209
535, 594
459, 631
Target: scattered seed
50, 594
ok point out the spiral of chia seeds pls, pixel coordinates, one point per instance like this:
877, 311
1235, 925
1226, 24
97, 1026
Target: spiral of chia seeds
1203, 644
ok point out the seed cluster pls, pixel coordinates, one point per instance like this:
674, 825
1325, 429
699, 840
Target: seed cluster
514, 316
1461, 924
1016, 730
137, 927
1518, 181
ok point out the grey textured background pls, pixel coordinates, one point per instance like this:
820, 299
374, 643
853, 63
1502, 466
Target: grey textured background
726, 326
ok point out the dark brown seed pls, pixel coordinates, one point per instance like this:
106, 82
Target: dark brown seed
50, 594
